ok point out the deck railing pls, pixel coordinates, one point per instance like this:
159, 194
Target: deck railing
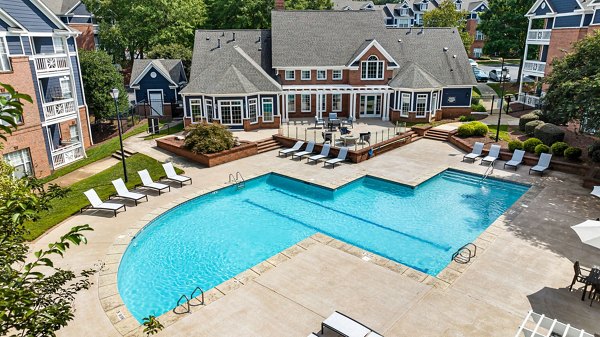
47, 64
539, 36
533, 101
67, 154
536, 68
58, 109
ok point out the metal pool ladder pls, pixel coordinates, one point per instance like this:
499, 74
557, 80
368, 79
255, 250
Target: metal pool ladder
488, 171
465, 253
237, 179
188, 301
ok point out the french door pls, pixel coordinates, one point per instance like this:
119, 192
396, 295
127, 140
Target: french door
370, 105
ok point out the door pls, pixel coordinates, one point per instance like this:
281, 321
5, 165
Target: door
156, 102
231, 112
370, 105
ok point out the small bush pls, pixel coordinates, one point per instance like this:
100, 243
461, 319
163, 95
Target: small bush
573, 153
515, 145
594, 151
475, 98
478, 107
479, 129
208, 138
530, 144
559, 148
542, 149
466, 130
530, 127
538, 113
526, 119
464, 118
549, 133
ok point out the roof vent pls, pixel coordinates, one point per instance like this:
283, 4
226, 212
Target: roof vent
259, 37
454, 56
207, 38
223, 34
422, 30
445, 49
233, 36
399, 40
218, 43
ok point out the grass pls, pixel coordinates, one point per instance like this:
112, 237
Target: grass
96, 152
173, 129
101, 182
504, 134
432, 123
509, 88
498, 62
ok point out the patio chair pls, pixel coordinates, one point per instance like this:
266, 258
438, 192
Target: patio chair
348, 122
346, 326
292, 149
365, 137
324, 153
476, 153
543, 164
596, 191
327, 137
97, 204
310, 147
579, 276
493, 154
340, 158
333, 116
319, 122
516, 160
123, 192
344, 131
173, 176
148, 183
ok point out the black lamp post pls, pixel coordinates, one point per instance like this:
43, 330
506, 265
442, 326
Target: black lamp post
115, 95
503, 75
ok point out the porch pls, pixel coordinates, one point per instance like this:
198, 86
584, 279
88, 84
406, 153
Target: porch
65, 142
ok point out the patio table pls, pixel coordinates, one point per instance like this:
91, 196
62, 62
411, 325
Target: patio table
593, 280
332, 123
349, 139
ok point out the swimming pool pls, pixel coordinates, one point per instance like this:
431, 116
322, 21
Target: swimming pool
212, 238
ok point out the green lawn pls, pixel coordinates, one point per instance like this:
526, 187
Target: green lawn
504, 135
509, 88
173, 129
97, 152
499, 62
101, 182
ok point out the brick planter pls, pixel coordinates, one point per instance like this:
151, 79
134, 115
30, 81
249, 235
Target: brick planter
421, 129
246, 149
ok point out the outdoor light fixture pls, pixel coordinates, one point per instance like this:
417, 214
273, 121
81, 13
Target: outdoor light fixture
115, 95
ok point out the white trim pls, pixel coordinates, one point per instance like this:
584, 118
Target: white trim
309, 102
285, 75
302, 72
262, 104
341, 75
249, 102
241, 104
309, 68
241, 95
72, 8
321, 79
257, 66
341, 104
42, 7
287, 96
10, 20
381, 50
147, 69
162, 98
196, 102
417, 104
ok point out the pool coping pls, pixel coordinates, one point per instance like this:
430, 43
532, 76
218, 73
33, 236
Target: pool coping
118, 314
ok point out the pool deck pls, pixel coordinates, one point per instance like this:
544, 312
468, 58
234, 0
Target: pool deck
526, 264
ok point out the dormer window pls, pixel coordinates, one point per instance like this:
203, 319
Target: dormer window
423, 6
458, 5
372, 68
404, 12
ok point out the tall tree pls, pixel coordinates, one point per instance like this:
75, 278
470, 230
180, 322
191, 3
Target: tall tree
446, 15
574, 86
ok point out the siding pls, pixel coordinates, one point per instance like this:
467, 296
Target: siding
38, 97
14, 45
3, 26
78, 86
149, 83
414, 99
564, 6
71, 44
26, 45
567, 21
544, 57
43, 45
542, 11
462, 97
28, 15
549, 23
79, 19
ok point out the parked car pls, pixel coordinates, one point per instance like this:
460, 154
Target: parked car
473, 63
495, 75
480, 75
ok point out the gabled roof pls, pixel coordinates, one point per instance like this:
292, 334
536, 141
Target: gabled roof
365, 47
537, 4
171, 69
354, 5
411, 76
476, 4
61, 7
10, 21
18, 10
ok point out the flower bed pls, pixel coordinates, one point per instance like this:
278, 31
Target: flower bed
245, 149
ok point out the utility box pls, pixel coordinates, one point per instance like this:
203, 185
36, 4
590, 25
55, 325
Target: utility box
153, 126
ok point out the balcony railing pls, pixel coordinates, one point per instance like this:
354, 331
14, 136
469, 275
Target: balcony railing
68, 154
539, 36
59, 108
535, 68
533, 101
51, 63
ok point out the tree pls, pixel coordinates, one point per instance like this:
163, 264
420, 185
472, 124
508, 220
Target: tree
99, 77
574, 86
35, 296
446, 15
11, 109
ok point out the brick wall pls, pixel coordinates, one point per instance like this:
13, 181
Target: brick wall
262, 125
562, 40
86, 39
176, 146
85, 131
455, 112
412, 117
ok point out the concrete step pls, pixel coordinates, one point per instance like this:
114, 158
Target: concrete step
128, 153
434, 134
269, 148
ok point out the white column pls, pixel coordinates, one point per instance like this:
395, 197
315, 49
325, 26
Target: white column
283, 110
351, 105
383, 106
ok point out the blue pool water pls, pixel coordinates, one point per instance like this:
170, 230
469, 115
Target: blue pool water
212, 238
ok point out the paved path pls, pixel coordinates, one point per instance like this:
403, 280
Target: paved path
485, 89
85, 172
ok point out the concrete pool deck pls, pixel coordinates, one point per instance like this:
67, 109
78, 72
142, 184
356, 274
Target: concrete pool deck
527, 266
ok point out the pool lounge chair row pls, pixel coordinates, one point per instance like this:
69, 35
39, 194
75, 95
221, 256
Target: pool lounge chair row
296, 152
516, 160
344, 325
123, 193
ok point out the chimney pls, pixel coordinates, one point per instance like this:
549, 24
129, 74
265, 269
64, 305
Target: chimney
279, 5
218, 43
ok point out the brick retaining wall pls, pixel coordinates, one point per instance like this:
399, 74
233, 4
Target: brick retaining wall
246, 149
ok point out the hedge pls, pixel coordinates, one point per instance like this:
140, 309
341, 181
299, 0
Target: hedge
478, 107
526, 119
559, 148
594, 151
542, 149
573, 153
530, 144
475, 98
549, 133
473, 129
515, 145
530, 127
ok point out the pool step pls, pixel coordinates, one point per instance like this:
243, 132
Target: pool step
476, 180
267, 145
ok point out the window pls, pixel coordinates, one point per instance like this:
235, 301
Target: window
477, 52
321, 74
65, 88
421, 105
252, 114
290, 75
458, 5
18, 120
305, 75
404, 12
403, 23
434, 101
291, 103
417, 19
323, 101
423, 6
196, 110
4, 60
405, 105
336, 102
21, 162
74, 133
479, 35
59, 45
209, 111
305, 101
372, 68
267, 109
336, 75
231, 112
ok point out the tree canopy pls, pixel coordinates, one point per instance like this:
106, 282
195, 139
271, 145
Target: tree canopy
505, 27
446, 15
574, 86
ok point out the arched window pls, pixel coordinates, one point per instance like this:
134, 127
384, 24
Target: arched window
372, 68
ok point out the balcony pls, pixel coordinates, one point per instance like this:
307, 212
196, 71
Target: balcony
533, 101
67, 154
534, 68
539, 36
46, 64
59, 109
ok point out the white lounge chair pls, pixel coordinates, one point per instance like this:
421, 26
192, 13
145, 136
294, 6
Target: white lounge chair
346, 326
148, 183
292, 149
543, 164
123, 192
340, 158
310, 147
97, 204
493, 154
324, 153
476, 153
172, 175
516, 160
596, 191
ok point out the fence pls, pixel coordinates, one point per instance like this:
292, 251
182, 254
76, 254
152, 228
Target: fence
525, 102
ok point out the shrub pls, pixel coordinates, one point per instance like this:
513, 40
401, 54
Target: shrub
538, 113
478, 107
573, 153
549, 133
526, 119
208, 138
479, 129
475, 98
594, 151
530, 144
466, 130
530, 127
559, 148
464, 118
515, 145
541, 149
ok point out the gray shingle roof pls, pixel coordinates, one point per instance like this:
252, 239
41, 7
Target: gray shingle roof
332, 37
412, 76
239, 67
353, 5
60, 7
172, 67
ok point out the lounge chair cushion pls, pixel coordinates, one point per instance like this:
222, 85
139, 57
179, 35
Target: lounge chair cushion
122, 190
147, 181
345, 325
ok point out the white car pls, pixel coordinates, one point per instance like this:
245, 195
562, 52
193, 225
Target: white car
496, 74
473, 63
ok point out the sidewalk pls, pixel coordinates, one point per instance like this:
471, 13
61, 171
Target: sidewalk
85, 172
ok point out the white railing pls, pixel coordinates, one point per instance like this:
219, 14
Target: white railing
47, 64
59, 108
529, 100
539, 36
535, 68
67, 154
